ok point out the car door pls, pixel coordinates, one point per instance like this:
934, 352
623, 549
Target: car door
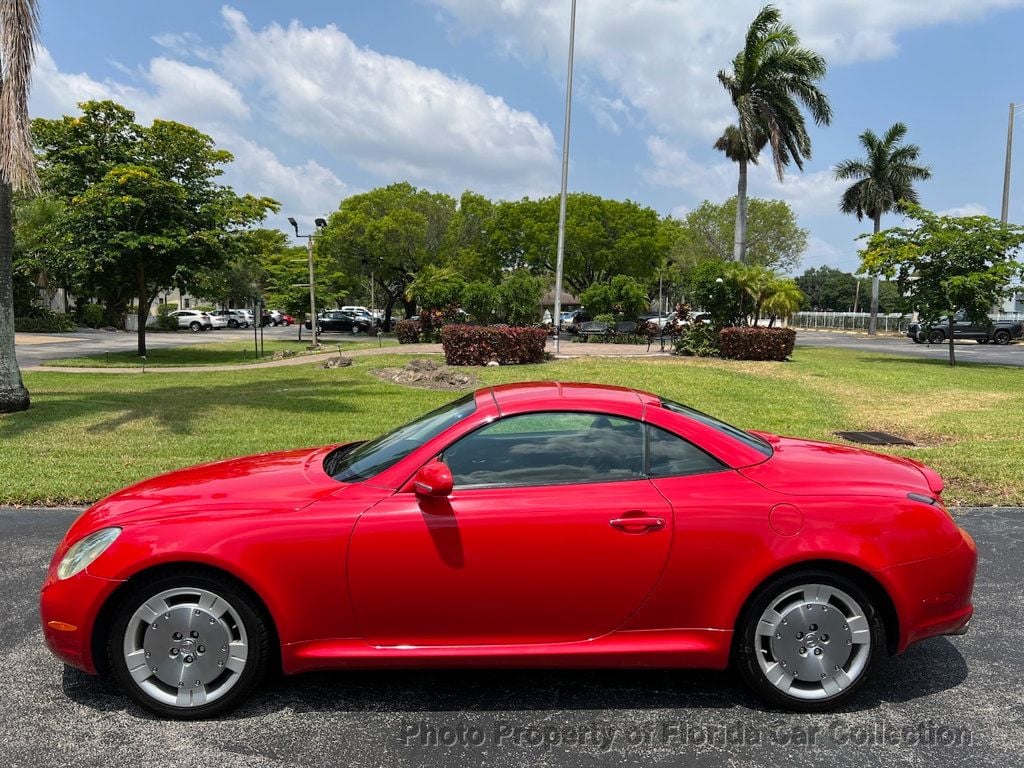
552, 534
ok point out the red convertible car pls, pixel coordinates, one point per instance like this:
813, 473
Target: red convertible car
543, 524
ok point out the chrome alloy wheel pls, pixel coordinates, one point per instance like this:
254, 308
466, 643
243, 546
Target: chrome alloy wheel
185, 647
813, 641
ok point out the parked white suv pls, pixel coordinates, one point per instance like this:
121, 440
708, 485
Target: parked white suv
194, 320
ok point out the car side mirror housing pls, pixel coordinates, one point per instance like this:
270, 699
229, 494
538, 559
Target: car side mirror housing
434, 480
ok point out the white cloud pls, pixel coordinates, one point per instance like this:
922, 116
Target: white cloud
387, 114
671, 166
967, 209
661, 56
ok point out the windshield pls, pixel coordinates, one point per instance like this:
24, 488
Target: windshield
734, 432
349, 465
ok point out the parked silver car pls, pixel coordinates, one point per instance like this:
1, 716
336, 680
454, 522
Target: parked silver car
194, 320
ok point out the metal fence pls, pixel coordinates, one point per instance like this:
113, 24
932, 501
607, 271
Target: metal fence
849, 321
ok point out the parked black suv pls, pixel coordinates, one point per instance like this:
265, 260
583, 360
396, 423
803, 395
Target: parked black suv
996, 331
343, 322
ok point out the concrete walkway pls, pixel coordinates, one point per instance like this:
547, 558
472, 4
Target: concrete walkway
569, 350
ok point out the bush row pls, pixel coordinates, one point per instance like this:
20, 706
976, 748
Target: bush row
45, 321
756, 343
479, 345
407, 331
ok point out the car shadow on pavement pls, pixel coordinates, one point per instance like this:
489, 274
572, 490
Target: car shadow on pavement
931, 667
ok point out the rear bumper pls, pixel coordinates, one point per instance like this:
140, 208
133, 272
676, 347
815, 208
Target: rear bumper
933, 596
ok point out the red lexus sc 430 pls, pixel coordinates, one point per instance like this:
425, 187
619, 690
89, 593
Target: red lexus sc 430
544, 524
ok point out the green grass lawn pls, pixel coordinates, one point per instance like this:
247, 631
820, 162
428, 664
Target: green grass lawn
214, 353
89, 434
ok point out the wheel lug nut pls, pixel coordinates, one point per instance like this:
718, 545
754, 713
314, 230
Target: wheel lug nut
778, 636
823, 675
167, 615
849, 642
802, 650
813, 628
197, 612
213, 621
824, 638
220, 663
154, 625
223, 647
783, 663
176, 635
154, 669
181, 683
175, 651
817, 651
201, 649
198, 683
188, 659
148, 654
193, 633
799, 635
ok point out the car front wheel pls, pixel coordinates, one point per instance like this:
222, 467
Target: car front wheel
188, 646
808, 641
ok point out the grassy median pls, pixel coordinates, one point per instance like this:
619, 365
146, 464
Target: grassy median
214, 353
89, 434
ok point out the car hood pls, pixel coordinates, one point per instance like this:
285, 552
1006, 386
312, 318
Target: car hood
268, 482
813, 468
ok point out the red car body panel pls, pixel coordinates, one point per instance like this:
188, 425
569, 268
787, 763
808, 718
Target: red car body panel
373, 574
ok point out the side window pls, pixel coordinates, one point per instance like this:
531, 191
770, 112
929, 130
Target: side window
558, 448
672, 456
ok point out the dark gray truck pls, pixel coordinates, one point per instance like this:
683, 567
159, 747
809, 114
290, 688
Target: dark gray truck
995, 331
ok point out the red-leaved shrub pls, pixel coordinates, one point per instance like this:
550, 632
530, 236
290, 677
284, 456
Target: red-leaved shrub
479, 345
756, 343
407, 331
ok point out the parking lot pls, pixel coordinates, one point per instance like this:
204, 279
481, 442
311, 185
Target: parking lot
949, 701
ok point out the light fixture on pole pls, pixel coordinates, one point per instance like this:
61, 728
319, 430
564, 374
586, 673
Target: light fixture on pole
320, 224
1014, 109
560, 257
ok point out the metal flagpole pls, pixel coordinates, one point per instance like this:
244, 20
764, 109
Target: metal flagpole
565, 184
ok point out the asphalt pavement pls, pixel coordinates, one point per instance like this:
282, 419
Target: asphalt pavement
966, 351
946, 702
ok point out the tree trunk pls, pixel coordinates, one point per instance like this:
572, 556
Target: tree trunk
952, 354
875, 283
13, 395
739, 243
389, 308
143, 313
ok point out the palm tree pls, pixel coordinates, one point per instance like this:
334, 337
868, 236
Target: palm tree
884, 179
19, 28
770, 78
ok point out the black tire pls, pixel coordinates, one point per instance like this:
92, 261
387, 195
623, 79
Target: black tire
195, 326
1001, 337
232, 323
917, 340
255, 625
749, 651
936, 336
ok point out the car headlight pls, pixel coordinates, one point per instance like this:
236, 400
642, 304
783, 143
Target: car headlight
85, 550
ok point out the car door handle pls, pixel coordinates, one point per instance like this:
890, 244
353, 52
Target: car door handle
637, 524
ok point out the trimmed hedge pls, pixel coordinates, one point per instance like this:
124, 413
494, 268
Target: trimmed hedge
407, 331
479, 345
46, 321
756, 343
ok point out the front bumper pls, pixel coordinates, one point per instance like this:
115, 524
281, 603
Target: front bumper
68, 609
933, 596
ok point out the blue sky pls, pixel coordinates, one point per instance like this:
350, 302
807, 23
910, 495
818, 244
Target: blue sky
319, 100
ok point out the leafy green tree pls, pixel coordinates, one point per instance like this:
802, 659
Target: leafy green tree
603, 238
714, 287
882, 179
828, 288
467, 245
41, 251
774, 239
621, 296
142, 207
285, 272
770, 79
519, 297
390, 233
436, 288
949, 265
19, 30
481, 301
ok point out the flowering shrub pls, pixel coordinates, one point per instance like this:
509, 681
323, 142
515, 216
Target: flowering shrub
757, 343
479, 345
407, 331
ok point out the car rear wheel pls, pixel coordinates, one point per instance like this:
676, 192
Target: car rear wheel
1001, 337
195, 326
188, 646
936, 336
808, 641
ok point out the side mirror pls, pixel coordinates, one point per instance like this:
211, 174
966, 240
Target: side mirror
433, 479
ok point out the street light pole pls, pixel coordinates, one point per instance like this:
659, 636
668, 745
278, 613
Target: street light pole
1005, 217
320, 224
560, 258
